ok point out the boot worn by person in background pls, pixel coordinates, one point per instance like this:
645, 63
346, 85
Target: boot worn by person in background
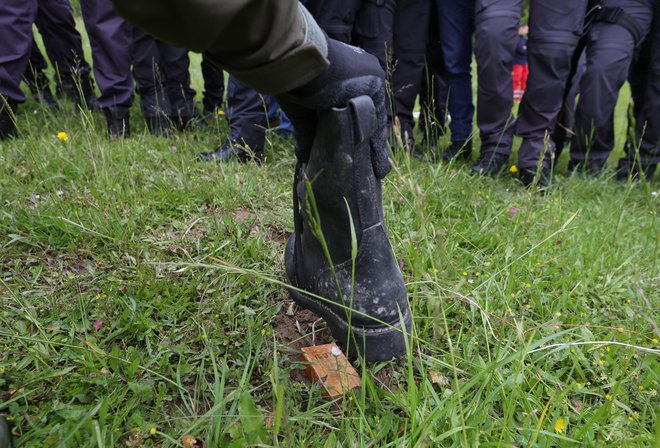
339, 261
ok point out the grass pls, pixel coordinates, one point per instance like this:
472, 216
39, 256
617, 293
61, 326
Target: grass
142, 300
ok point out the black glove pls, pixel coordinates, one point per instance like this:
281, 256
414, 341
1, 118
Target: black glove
352, 73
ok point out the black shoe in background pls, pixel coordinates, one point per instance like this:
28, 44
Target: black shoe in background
460, 149
634, 170
229, 151
118, 120
7, 123
45, 97
534, 178
5, 433
159, 125
490, 163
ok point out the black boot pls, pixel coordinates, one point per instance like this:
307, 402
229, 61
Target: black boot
535, 178
39, 86
118, 119
233, 151
461, 149
159, 125
490, 163
371, 303
5, 434
635, 170
7, 118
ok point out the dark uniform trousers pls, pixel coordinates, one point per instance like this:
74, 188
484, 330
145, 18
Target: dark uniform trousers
111, 39
63, 45
645, 89
416, 65
610, 48
247, 113
456, 25
16, 19
373, 30
214, 86
496, 37
162, 76
554, 31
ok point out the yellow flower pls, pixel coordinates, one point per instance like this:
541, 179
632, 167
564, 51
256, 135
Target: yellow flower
513, 169
464, 273
63, 136
560, 425
529, 285
608, 397
10, 418
558, 314
640, 387
601, 362
152, 431
221, 112
655, 341
263, 331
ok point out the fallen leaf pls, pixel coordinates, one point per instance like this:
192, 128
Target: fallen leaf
438, 378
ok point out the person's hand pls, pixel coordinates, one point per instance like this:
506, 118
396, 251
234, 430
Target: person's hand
352, 73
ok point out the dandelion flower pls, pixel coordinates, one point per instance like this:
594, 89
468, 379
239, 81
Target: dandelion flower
63, 136
560, 425
152, 431
513, 169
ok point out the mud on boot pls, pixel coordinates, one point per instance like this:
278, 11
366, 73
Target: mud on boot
364, 301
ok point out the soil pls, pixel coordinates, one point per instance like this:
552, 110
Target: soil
297, 328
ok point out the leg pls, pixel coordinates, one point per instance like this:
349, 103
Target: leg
16, 18
496, 37
247, 122
64, 47
150, 81
554, 28
373, 30
609, 55
37, 80
455, 25
214, 87
111, 39
643, 152
410, 36
176, 65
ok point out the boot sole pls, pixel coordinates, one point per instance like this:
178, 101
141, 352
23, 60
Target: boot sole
373, 343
